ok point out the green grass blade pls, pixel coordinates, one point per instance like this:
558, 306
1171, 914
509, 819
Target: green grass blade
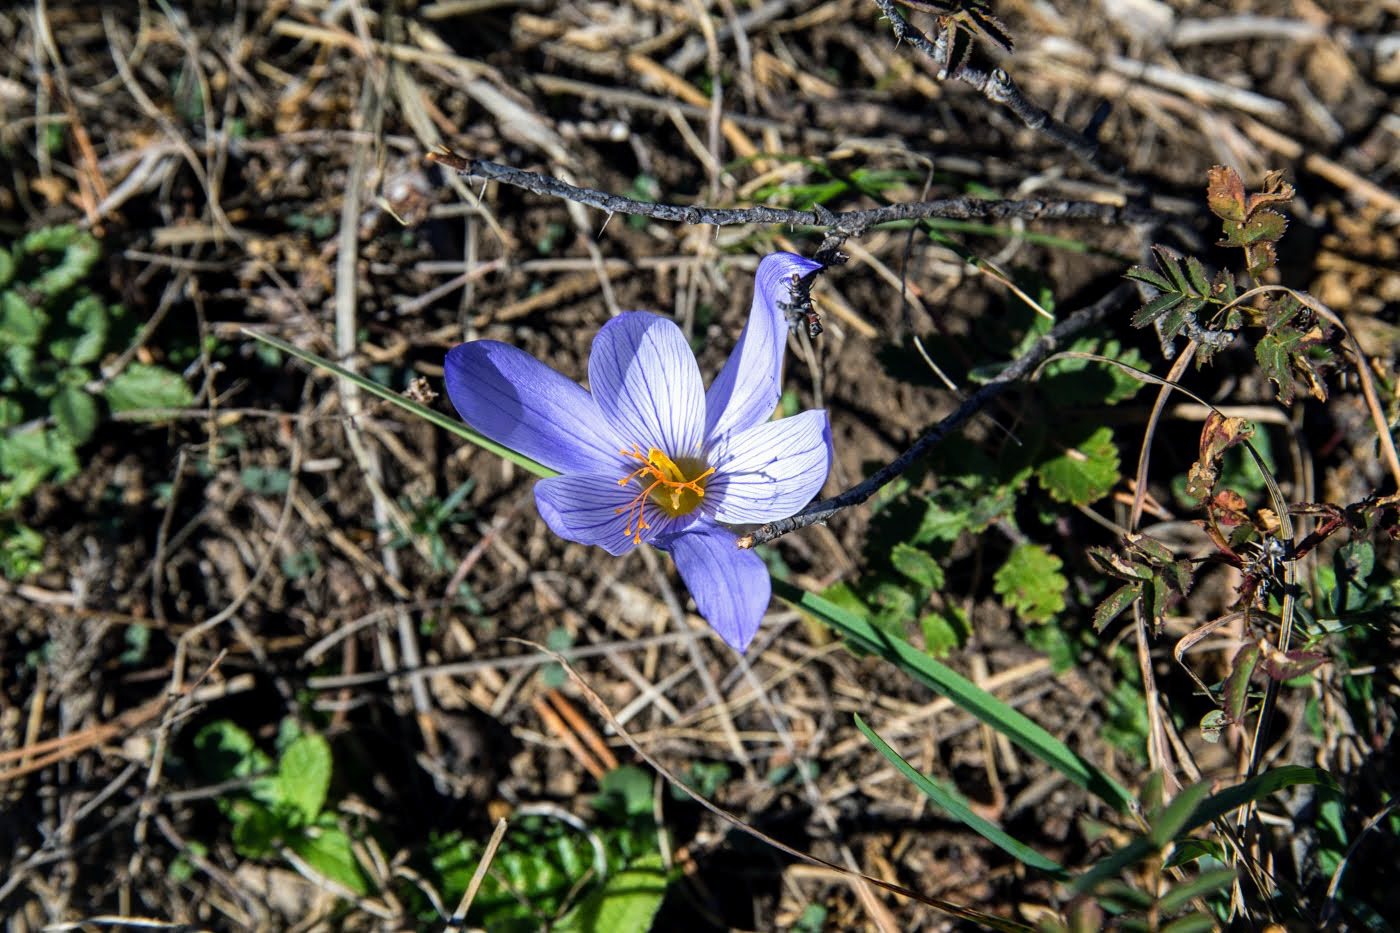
446, 422
1211, 808
968, 696
953, 803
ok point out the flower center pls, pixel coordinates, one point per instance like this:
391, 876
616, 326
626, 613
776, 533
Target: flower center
674, 486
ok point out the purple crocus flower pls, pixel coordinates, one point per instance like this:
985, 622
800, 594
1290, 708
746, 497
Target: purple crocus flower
649, 456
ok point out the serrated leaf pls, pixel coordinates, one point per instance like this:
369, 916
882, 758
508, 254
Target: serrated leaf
1082, 382
941, 523
1150, 547
1113, 607
304, 775
1197, 274
37, 454
1261, 257
1170, 261
1274, 353
329, 853
1265, 227
1083, 474
88, 316
1156, 308
1224, 288
918, 565
141, 386
20, 323
1030, 583
1144, 274
1225, 193
1237, 684
1275, 191
944, 632
80, 253
226, 751
74, 413
627, 900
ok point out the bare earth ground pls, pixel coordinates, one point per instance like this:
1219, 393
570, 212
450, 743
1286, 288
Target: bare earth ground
262, 165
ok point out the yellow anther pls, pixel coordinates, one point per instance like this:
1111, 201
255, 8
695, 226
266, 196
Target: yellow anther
664, 481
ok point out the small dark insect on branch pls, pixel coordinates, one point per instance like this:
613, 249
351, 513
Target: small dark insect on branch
972, 17
995, 85
820, 512
839, 225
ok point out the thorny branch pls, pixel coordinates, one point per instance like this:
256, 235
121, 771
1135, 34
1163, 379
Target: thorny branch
819, 512
999, 88
840, 225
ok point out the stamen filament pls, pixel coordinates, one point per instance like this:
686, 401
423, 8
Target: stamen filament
664, 473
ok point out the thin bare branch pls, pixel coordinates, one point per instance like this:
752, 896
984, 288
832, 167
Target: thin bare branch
822, 511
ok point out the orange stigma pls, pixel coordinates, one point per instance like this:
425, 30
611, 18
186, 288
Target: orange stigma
664, 482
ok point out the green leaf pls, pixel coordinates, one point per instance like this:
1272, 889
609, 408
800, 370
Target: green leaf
329, 853
1156, 308
1144, 274
944, 632
304, 775
964, 693
39, 452
7, 267
226, 751
141, 386
88, 317
1114, 605
956, 806
20, 324
1213, 723
80, 253
1275, 352
1264, 226
1206, 883
628, 900
256, 829
1084, 473
1030, 583
1196, 272
918, 565
625, 791
1211, 808
1237, 684
1169, 824
21, 549
75, 413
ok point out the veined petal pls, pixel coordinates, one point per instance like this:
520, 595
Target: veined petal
731, 587
646, 382
591, 508
516, 400
746, 390
769, 472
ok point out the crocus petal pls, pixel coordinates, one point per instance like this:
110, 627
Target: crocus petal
731, 587
591, 508
516, 400
746, 390
769, 472
645, 380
